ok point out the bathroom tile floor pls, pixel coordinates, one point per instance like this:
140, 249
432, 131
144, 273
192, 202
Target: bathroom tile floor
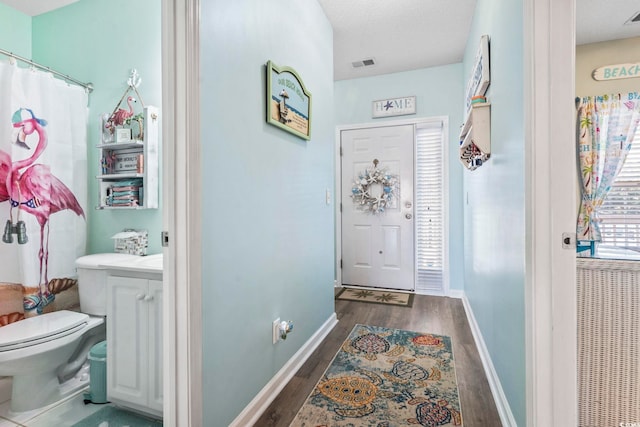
62, 414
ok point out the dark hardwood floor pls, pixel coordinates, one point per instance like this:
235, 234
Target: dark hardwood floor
438, 315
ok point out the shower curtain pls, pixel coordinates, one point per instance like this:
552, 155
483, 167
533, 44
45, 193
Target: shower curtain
43, 191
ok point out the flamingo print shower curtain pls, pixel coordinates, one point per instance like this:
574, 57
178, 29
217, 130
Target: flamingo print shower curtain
43, 191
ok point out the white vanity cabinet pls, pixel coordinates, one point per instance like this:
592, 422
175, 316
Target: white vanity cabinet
134, 340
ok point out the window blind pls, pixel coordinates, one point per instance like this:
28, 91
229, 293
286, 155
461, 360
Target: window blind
620, 213
429, 208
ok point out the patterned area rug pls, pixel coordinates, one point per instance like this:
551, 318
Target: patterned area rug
386, 377
380, 297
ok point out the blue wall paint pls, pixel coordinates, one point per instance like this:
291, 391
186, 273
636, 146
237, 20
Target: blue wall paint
439, 92
74, 41
15, 32
267, 232
494, 218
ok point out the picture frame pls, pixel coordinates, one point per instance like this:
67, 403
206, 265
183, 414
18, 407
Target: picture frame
122, 135
288, 101
480, 78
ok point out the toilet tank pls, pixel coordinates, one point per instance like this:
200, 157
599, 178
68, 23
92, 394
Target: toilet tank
92, 281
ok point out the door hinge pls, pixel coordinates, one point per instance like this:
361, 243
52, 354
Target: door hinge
165, 239
340, 207
341, 151
569, 240
340, 263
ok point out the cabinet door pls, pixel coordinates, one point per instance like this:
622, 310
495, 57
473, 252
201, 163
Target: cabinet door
155, 344
127, 340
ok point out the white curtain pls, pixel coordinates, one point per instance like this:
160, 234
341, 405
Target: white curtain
43, 186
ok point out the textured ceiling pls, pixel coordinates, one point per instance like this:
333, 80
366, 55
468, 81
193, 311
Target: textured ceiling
403, 35
603, 20
399, 35
408, 34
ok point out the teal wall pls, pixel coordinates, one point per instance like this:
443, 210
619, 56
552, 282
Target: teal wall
494, 217
79, 41
15, 32
268, 234
439, 92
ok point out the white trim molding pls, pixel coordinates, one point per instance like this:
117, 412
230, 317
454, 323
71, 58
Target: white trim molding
182, 319
550, 188
457, 293
270, 391
502, 404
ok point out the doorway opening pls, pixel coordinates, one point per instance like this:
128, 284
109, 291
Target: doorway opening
401, 245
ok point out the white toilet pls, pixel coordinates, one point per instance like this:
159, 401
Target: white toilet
44, 353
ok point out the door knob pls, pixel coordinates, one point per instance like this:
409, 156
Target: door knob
408, 216
140, 297
408, 205
148, 298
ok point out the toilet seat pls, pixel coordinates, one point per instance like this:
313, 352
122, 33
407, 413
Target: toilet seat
42, 328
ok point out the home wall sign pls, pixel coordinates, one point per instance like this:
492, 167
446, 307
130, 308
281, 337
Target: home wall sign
617, 71
480, 76
288, 101
394, 107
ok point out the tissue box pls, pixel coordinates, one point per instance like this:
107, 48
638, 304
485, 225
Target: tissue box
133, 242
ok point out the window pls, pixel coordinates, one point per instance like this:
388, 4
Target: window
620, 213
429, 207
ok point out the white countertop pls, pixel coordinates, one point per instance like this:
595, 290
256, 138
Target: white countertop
143, 264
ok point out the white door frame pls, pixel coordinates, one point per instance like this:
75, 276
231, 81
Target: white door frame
550, 186
549, 46
182, 319
445, 193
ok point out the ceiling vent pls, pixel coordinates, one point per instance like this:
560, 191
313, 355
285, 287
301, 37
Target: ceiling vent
634, 19
364, 63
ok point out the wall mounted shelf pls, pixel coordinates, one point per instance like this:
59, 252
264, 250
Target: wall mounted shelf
129, 178
475, 136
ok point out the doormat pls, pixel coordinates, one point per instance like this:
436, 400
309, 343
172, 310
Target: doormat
386, 377
110, 416
380, 297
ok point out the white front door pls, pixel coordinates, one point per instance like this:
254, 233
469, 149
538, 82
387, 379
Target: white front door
378, 249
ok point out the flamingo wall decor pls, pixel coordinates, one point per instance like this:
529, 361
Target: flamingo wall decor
120, 115
31, 187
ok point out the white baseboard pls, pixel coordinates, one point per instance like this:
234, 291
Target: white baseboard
269, 392
456, 293
451, 293
504, 410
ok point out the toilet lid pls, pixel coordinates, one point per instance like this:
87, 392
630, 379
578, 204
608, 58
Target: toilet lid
42, 328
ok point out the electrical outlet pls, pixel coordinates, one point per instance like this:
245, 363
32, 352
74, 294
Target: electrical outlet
275, 331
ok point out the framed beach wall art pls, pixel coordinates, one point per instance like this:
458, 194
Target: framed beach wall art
288, 101
480, 76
